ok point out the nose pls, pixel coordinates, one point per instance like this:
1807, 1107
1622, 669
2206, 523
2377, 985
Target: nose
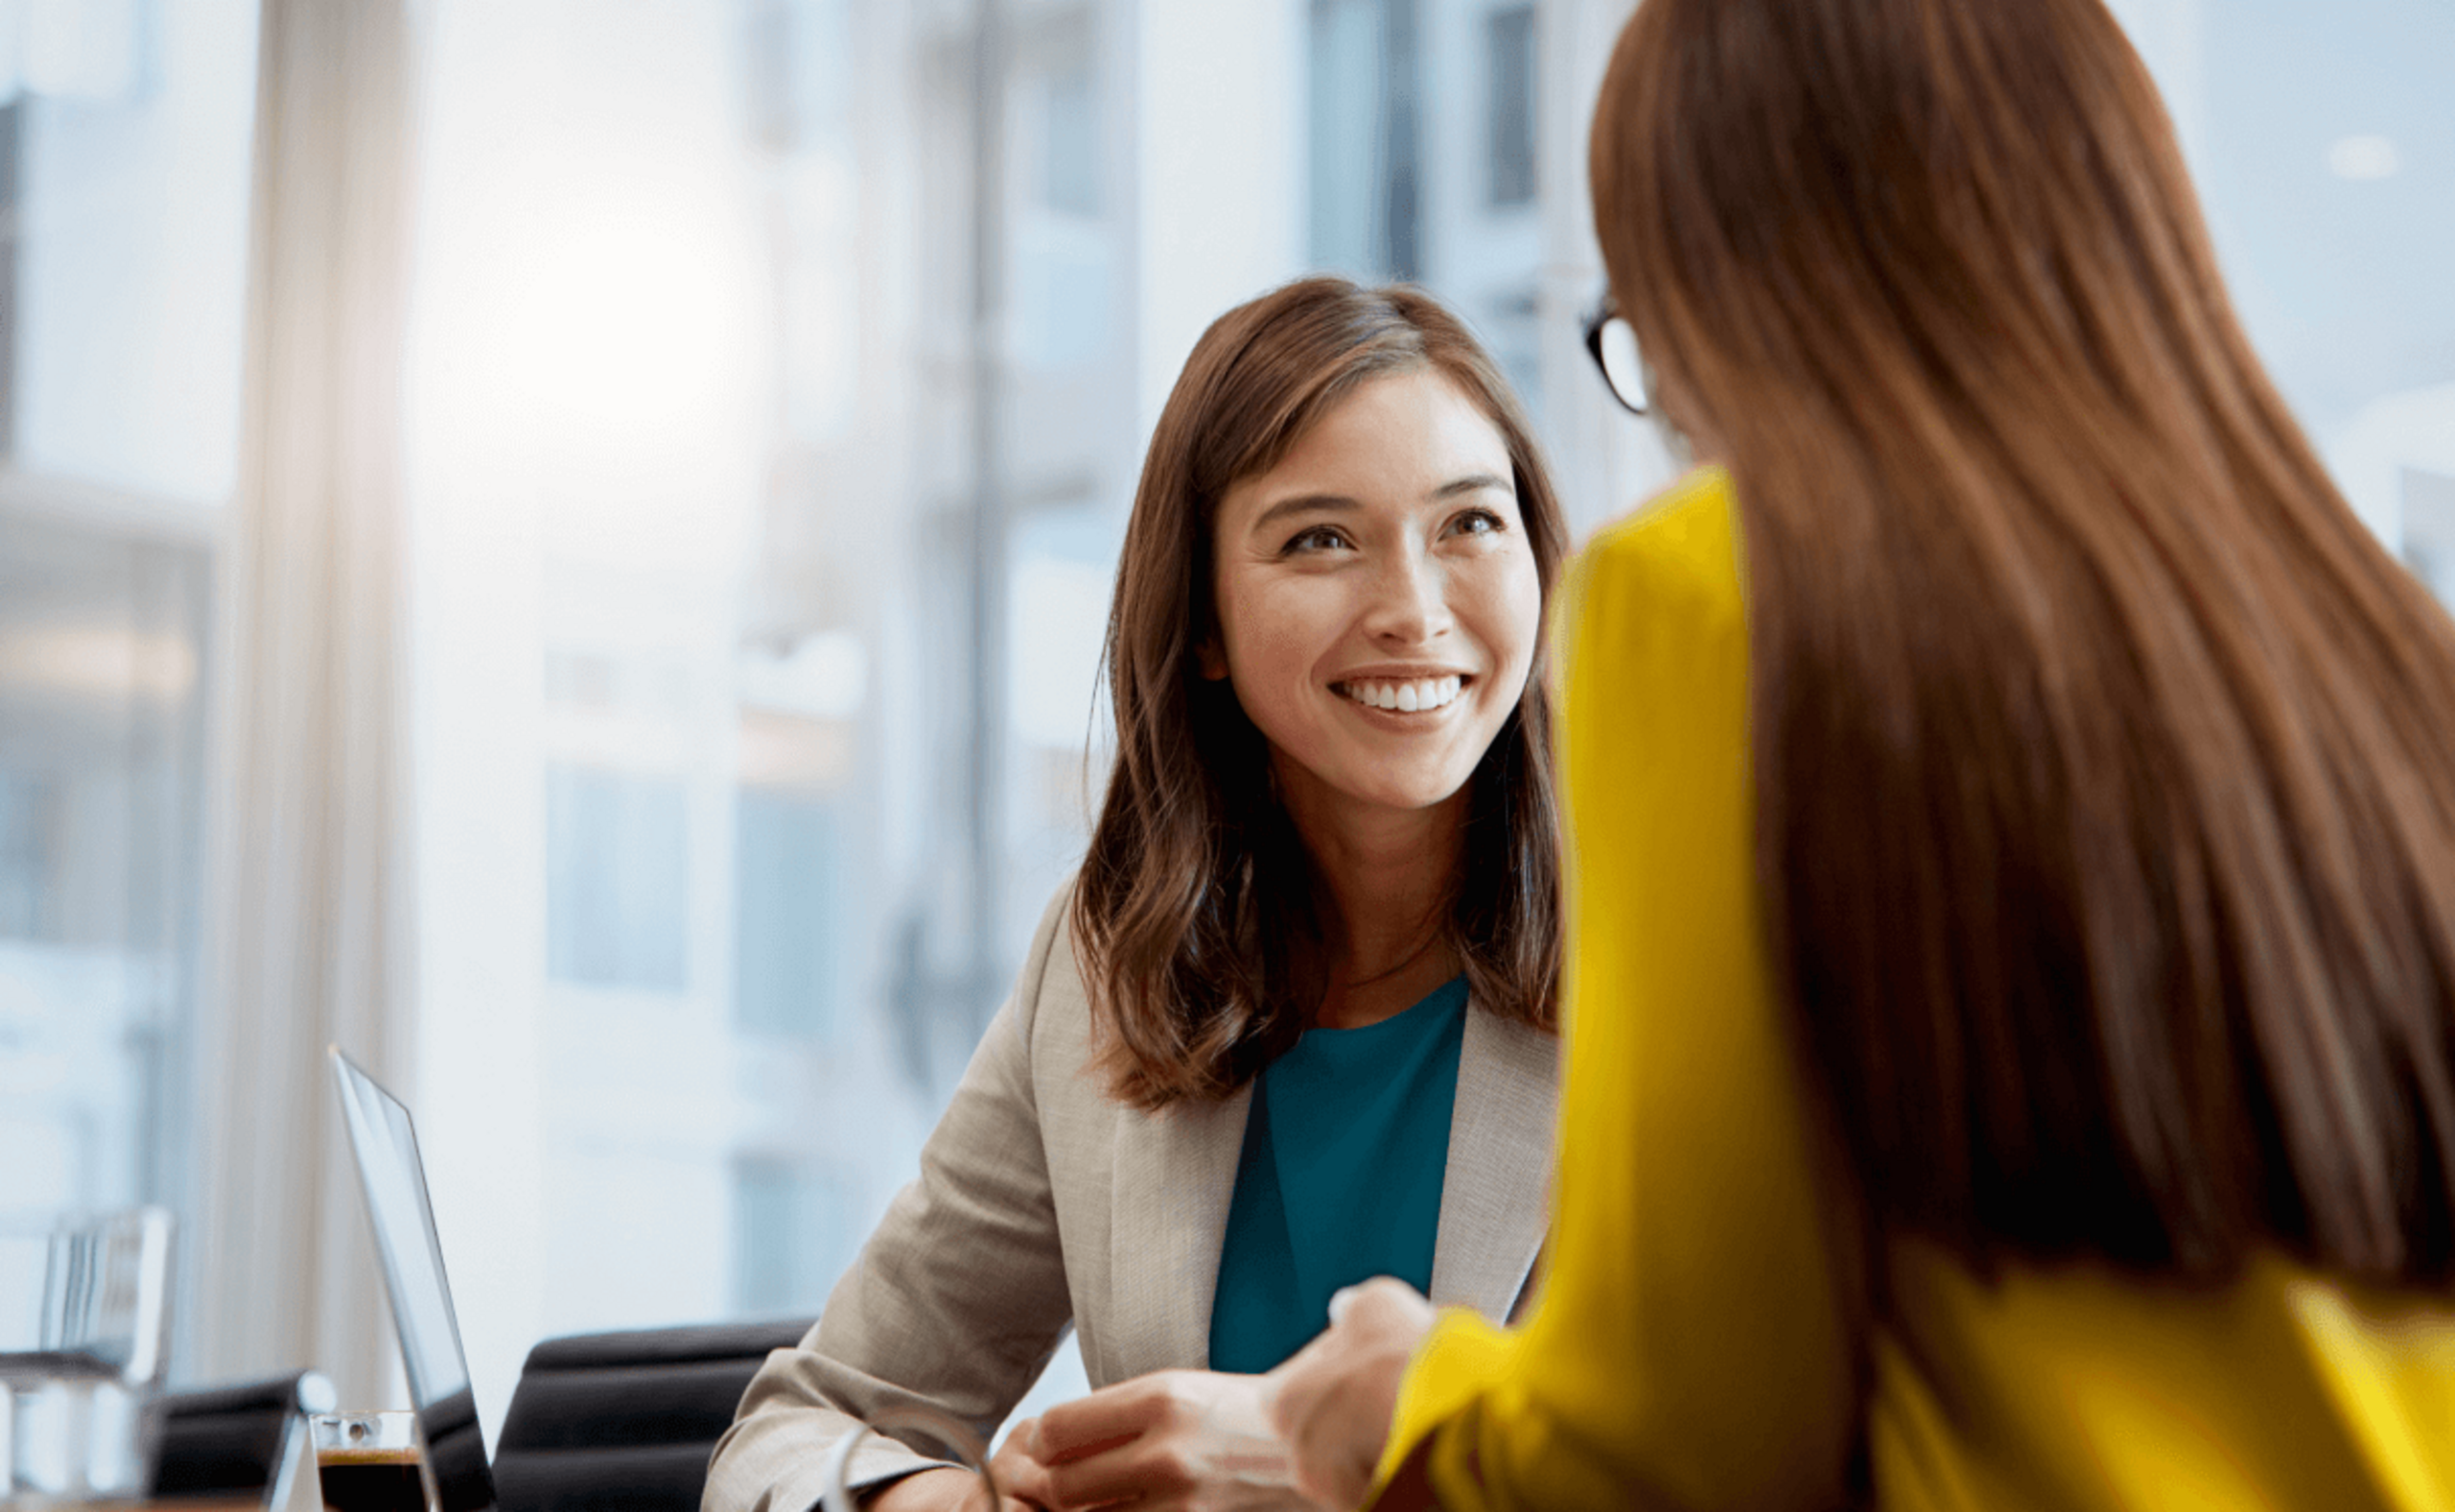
1410, 602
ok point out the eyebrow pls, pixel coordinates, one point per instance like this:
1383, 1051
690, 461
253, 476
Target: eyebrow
1333, 504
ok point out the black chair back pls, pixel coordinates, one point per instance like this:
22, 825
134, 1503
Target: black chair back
625, 1422
230, 1441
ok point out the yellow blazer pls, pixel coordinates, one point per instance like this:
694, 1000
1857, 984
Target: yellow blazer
1690, 1347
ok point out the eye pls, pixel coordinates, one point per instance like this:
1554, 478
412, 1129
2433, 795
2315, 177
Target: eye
1477, 522
1318, 538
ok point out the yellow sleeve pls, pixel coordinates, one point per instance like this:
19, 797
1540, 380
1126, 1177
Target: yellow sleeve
1689, 1344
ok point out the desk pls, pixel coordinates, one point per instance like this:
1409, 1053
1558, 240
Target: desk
303, 1497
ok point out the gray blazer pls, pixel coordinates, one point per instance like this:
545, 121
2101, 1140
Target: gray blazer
1043, 1203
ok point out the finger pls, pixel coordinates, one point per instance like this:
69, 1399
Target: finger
1108, 1418
1022, 1479
1330, 1401
1294, 1399
1382, 1301
1141, 1471
1324, 1467
1342, 1437
1023, 1439
1090, 1449
1302, 1384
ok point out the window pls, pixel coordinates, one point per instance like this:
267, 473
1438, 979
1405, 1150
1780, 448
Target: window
788, 910
1061, 238
1508, 104
1366, 190
617, 858
791, 1236
101, 749
30, 856
2429, 529
1070, 137
124, 180
11, 125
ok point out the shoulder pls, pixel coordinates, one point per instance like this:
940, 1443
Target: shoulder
1654, 636
1512, 1042
1051, 980
1675, 560
1053, 1008
1037, 1042
1512, 1061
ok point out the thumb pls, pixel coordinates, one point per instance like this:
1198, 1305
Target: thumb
1025, 1437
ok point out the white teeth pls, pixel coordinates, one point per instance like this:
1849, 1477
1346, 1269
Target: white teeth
1406, 698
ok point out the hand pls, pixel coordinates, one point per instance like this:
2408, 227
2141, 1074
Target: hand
946, 1490
1331, 1402
1020, 1480
1195, 1440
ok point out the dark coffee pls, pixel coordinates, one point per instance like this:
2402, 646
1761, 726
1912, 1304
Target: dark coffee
371, 1481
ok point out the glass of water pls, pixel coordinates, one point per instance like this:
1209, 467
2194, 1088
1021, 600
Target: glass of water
84, 1316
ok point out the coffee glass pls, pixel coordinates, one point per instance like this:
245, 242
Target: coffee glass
84, 1322
371, 1462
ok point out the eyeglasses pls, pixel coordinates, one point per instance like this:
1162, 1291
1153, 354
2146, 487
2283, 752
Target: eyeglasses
1612, 342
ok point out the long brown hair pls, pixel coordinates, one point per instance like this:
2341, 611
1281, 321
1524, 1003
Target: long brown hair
2105, 763
1195, 903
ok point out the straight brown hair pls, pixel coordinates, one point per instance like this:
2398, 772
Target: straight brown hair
2105, 763
1196, 901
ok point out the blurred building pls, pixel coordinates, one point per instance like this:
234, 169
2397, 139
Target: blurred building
124, 182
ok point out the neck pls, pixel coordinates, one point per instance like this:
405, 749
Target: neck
1385, 878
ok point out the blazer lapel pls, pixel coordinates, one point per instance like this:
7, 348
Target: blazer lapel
1174, 1173
1502, 1140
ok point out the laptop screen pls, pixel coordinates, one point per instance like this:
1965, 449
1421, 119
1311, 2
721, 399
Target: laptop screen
394, 1180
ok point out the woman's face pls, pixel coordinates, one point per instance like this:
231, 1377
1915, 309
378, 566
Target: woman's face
1378, 602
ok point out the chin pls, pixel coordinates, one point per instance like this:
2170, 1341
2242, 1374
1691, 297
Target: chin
1429, 793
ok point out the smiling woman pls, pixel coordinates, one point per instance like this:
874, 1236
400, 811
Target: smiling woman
1377, 606
1343, 508
1290, 1028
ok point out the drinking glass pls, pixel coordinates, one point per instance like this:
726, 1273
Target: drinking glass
371, 1462
84, 1322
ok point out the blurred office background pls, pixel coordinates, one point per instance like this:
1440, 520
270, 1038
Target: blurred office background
563, 545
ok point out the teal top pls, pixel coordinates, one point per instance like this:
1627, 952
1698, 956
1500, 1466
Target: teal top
1340, 1179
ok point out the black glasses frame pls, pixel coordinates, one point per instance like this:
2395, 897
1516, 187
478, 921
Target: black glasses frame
1604, 314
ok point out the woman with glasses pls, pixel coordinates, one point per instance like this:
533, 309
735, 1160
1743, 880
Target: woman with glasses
1612, 342
2050, 786
1291, 1026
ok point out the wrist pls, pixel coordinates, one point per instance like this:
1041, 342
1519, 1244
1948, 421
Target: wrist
939, 1488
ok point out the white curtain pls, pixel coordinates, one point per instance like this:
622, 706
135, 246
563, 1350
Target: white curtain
307, 924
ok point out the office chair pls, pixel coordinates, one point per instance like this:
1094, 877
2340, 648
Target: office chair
227, 1441
625, 1422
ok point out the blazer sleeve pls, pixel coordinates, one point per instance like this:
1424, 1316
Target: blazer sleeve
1690, 1347
957, 1301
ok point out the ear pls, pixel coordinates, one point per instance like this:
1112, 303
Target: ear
1212, 660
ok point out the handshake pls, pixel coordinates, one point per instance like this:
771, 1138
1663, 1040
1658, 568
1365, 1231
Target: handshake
1306, 1435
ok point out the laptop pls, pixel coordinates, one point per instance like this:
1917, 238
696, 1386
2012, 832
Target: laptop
394, 1178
